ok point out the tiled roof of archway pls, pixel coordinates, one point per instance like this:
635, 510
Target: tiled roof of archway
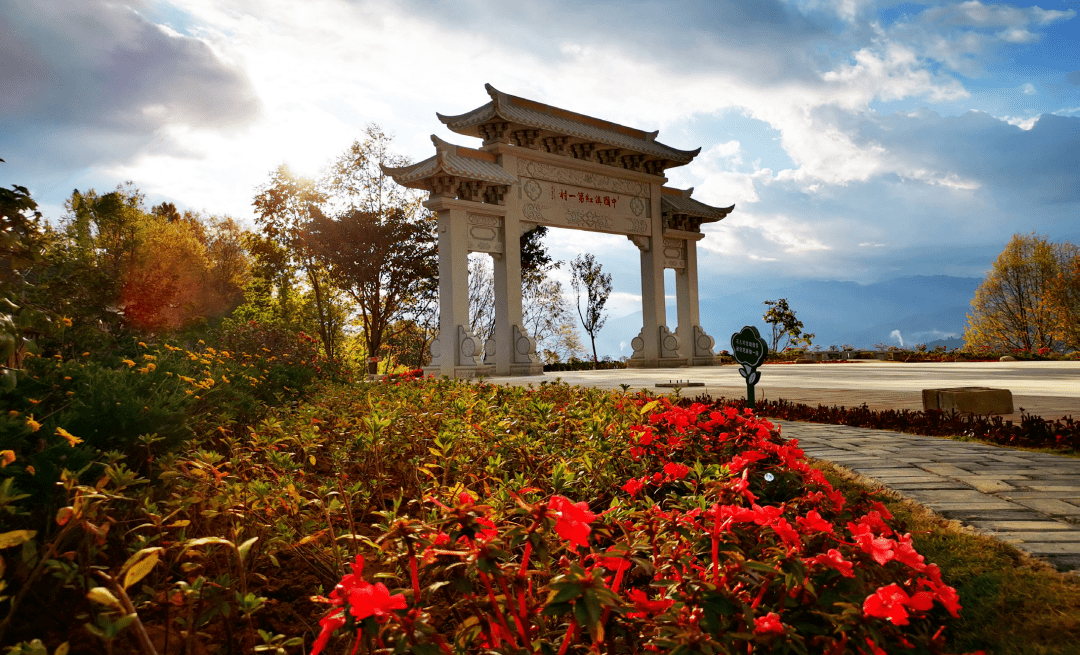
679, 202
456, 161
535, 115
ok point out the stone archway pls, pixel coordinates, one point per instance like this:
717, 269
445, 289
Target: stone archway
541, 165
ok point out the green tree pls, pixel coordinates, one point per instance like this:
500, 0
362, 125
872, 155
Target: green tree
587, 277
21, 247
380, 245
285, 208
1024, 301
785, 324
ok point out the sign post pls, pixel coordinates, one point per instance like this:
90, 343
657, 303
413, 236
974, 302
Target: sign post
749, 350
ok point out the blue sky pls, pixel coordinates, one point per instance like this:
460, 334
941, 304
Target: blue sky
860, 140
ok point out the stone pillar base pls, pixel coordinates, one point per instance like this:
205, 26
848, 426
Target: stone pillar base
706, 361
665, 362
460, 371
535, 368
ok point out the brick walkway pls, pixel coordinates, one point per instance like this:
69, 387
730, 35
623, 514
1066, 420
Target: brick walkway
1031, 500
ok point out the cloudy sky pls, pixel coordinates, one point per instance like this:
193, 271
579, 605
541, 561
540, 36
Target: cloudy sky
860, 140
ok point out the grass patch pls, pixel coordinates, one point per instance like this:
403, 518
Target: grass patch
1013, 603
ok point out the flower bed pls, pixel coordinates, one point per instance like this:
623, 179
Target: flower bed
1032, 431
477, 518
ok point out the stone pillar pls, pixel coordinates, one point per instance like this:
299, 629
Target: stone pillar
514, 349
455, 350
694, 344
686, 299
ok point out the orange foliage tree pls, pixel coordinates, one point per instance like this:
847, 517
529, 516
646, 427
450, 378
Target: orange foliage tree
1028, 300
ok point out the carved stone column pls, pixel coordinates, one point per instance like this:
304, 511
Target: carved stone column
455, 351
513, 349
694, 344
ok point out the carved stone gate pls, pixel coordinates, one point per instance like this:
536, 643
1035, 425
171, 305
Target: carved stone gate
541, 165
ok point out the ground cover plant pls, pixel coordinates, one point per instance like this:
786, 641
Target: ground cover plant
1059, 435
424, 516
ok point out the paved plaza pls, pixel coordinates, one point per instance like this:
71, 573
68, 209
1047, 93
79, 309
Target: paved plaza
1031, 500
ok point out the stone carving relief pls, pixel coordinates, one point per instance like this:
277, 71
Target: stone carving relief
638, 225
532, 190
466, 347
703, 343
485, 234
674, 253
637, 206
638, 344
588, 218
581, 178
533, 212
669, 343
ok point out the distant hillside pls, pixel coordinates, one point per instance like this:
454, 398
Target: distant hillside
916, 309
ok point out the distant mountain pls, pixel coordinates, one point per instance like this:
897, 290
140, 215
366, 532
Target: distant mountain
907, 310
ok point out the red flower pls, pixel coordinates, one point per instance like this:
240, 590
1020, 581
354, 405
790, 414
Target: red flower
787, 533
633, 486
645, 606
574, 519
329, 623
768, 625
880, 548
373, 600
676, 471
905, 553
834, 560
888, 603
814, 523
613, 560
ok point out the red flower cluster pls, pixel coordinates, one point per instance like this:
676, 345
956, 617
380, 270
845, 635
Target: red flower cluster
359, 598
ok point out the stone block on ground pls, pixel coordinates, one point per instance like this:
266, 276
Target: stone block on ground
969, 400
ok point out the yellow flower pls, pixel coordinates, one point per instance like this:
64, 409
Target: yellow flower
152, 366
32, 401
187, 379
66, 321
86, 354
149, 357
71, 439
142, 345
34, 425
31, 470
144, 370
13, 412
6, 457
224, 379
128, 362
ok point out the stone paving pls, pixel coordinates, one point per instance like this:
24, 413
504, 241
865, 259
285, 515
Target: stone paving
1029, 499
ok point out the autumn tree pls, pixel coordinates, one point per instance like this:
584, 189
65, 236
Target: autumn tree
1065, 295
588, 277
376, 239
785, 324
1028, 299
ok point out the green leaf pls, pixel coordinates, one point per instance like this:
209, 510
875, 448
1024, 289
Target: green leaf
140, 564
16, 538
104, 596
245, 547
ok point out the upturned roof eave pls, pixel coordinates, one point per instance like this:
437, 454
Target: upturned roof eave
588, 128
